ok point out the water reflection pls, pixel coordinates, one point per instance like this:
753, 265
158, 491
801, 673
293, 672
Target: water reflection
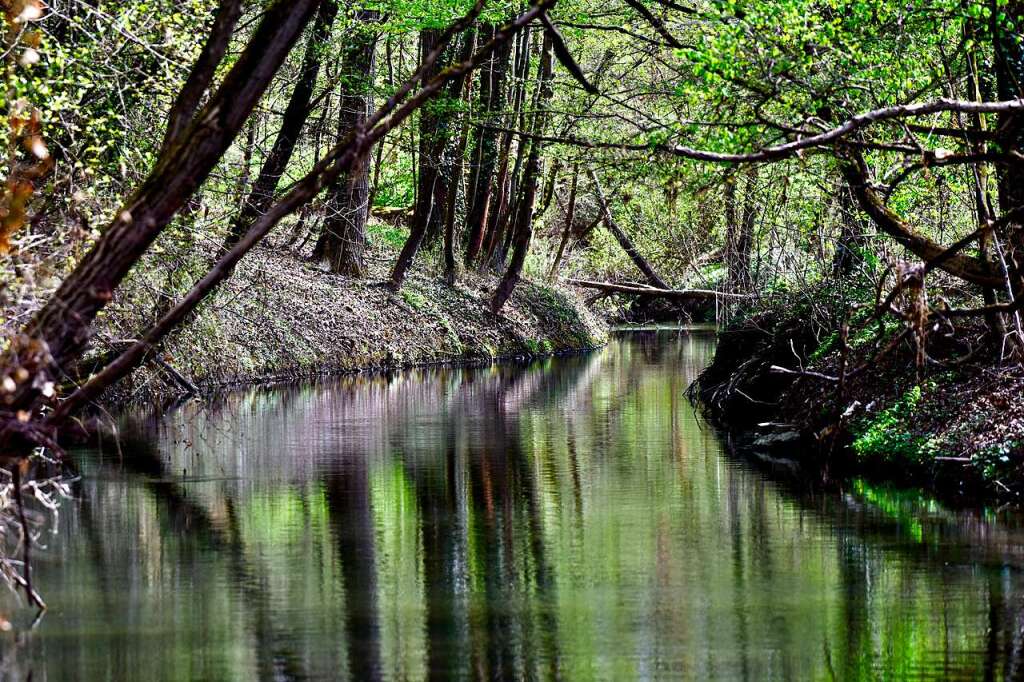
564, 519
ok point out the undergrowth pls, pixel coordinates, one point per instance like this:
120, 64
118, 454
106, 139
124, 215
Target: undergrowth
888, 436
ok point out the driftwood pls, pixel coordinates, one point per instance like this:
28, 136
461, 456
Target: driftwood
675, 294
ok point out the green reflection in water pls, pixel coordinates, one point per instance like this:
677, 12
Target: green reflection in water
568, 519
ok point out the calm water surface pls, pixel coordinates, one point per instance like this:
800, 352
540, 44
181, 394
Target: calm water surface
568, 519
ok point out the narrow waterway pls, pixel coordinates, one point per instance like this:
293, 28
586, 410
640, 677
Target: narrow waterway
572, 518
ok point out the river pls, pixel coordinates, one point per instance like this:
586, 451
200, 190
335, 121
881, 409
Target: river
570, 518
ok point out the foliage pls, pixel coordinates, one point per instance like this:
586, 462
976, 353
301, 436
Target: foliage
889, 435
385, 234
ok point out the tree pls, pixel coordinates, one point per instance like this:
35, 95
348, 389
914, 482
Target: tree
37, 359
295, 116
342, 243
522, 232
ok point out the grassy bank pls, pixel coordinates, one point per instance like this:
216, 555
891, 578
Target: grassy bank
954, 424
281, 317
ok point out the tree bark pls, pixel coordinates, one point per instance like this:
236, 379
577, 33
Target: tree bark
484, 152
435, 167
979, 89
570, 218
503, 194
342, 244
847, 255
427, 215
450, 265
1009, 63
888, 221
740, 238
201, 75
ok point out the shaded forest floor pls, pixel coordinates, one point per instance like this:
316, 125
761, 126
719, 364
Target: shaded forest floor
282, 317
955, 426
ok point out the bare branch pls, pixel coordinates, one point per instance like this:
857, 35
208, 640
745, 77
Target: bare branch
564, 56
654, 21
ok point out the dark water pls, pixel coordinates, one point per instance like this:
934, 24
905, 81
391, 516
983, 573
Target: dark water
566, 519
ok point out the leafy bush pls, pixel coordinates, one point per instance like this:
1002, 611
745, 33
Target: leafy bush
888, 437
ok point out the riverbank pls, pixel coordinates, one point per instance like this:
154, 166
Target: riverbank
282, 318
783, 385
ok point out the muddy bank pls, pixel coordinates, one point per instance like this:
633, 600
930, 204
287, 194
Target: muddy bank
283, 318
784, 387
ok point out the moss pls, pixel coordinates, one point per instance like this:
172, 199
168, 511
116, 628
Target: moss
453, 336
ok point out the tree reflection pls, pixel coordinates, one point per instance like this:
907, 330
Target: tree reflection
564, 519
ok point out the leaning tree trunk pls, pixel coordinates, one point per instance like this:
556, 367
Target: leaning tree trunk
295, 116
531, 176
342, 245
623, 239
59, 332
570, 219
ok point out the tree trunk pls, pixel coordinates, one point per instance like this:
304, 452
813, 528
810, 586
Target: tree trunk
342, 244
523, 228
979, 89
59, 332
851, 240
484, 151
295, 116
504, 193
740, 239
450, 266
570, 217
428, 215
549, 187
1009, 63
731, 224
435, 169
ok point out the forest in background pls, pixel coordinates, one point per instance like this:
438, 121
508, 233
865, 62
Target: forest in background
845, 173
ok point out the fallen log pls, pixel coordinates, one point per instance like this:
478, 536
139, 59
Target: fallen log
677, 294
